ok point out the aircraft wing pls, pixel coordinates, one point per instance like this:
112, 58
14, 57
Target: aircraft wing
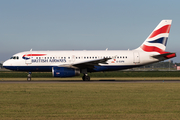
164, 56
87, 64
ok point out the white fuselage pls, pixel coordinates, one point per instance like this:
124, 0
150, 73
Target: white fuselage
43, 60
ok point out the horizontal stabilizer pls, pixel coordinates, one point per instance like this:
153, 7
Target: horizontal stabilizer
164, 56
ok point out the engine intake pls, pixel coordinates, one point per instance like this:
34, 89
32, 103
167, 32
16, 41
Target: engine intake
65, 72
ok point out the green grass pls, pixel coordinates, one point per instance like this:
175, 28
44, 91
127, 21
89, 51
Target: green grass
141, 101
97, 74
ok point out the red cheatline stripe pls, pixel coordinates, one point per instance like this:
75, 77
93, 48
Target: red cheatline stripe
164, 29
152, 49
34, 54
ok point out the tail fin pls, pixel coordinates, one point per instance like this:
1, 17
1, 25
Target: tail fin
157, 40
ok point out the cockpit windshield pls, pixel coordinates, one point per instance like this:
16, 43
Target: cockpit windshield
15, 57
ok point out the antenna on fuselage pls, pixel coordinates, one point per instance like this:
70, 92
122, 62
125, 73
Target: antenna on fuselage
106, 49
31, 49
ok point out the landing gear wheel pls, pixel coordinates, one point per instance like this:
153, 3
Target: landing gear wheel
87, 78
28, 78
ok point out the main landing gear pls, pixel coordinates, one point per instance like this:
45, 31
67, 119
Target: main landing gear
29, 76
86, 77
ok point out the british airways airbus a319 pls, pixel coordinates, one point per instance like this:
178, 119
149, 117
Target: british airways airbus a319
72, 63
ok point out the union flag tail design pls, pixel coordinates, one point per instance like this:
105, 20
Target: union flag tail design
157, 40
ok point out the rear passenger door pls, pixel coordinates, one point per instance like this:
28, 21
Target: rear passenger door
136, 57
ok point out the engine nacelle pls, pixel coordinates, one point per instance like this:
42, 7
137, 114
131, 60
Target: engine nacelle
65, 72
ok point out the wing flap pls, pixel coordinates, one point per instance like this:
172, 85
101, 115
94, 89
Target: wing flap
90, 64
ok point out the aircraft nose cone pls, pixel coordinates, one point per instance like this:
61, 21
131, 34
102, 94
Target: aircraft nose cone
5, 64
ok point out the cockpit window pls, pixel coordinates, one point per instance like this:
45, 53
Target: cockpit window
15, 57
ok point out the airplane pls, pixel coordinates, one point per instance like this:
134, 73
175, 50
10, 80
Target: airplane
72, 63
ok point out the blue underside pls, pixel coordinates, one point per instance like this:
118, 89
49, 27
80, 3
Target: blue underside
49, 68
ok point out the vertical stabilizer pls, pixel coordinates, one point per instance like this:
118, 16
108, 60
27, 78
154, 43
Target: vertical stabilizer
157, 40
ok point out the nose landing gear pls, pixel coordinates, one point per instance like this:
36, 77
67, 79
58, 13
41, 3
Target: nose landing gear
29, 76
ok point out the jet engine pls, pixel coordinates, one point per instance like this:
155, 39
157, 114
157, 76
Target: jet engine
65, 72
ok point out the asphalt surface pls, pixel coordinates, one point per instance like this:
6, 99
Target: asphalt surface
92, 81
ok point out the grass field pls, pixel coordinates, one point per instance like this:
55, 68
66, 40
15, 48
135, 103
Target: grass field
141, 101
